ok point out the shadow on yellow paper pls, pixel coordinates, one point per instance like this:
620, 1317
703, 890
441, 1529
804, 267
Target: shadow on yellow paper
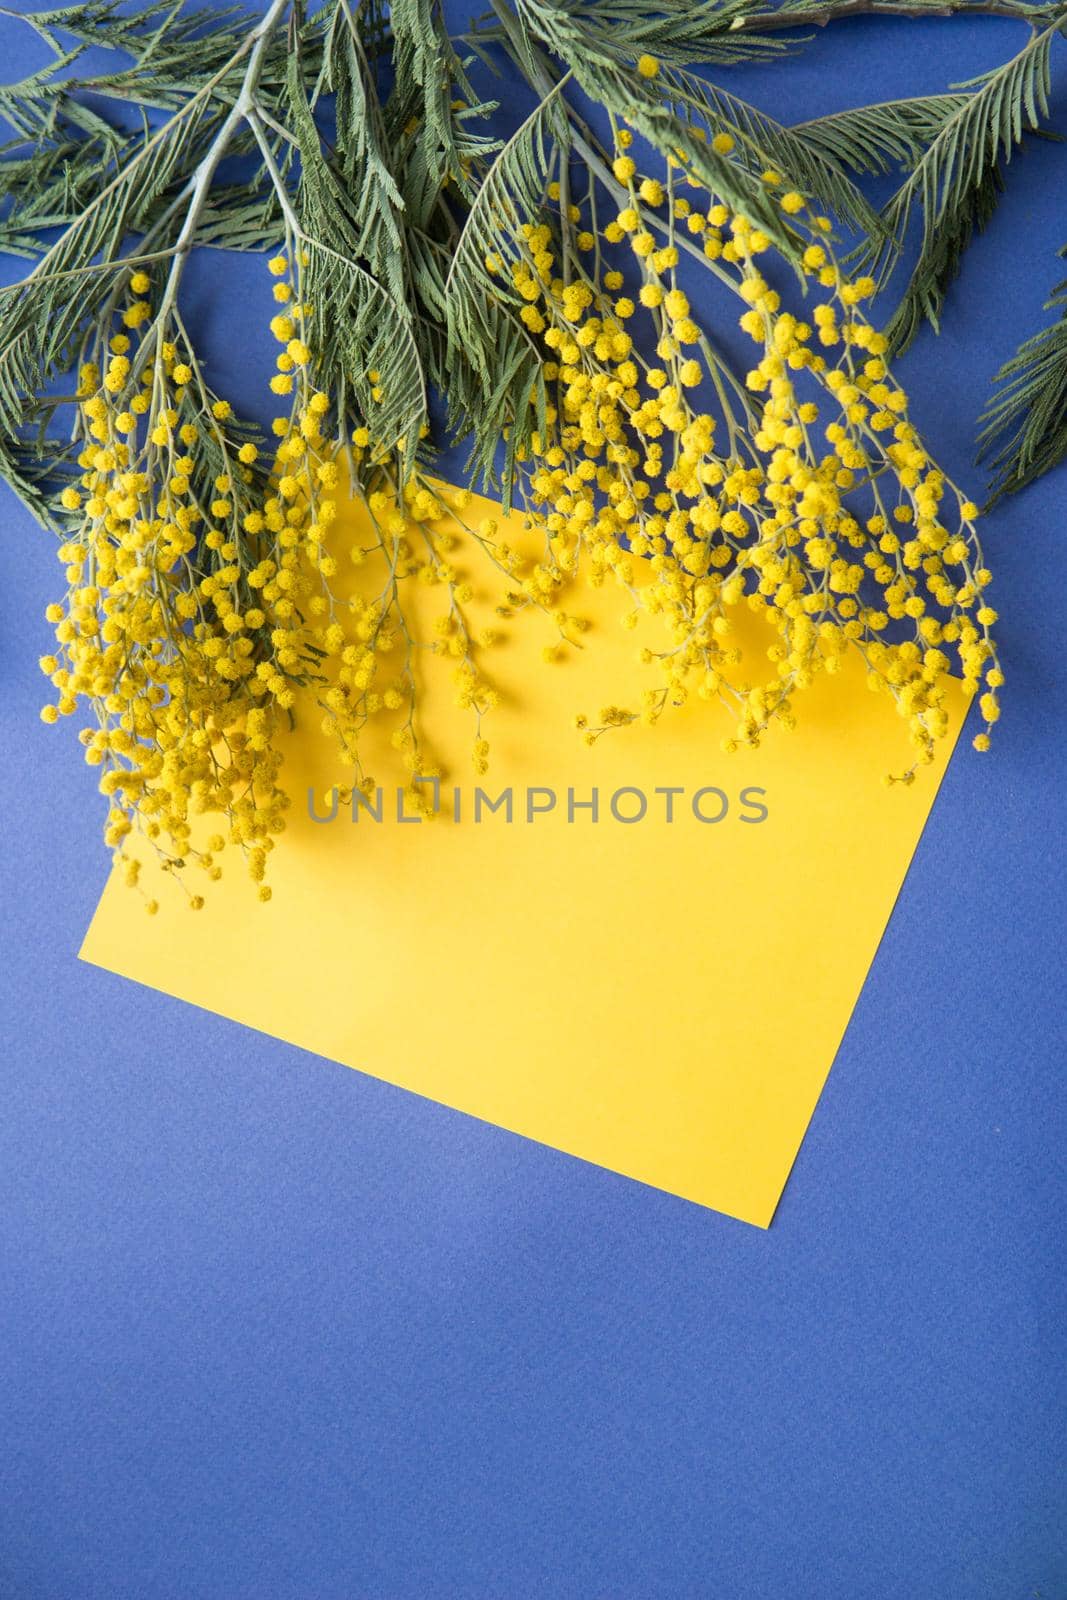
643, 953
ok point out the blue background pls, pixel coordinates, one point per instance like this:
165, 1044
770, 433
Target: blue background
272, 1329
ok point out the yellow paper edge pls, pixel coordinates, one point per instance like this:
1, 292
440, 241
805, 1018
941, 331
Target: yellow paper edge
721, 1133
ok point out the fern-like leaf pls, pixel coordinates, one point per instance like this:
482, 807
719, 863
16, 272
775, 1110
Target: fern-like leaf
924, 296
359, 180
763, 143
489, 349
678, 33
1025, 423
952, 177
432, 79
360, 326
881, 138
512, 193
41, 316
670, 111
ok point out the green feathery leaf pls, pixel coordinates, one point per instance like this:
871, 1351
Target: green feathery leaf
677, 33
668, 110
360, 326
425, 60
951, 182
358, 181
1025, 423
881, 138
763, 143
40, 317
484, 336
924, 297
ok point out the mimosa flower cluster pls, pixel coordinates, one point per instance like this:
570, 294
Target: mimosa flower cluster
208, 603
210, 598
826, 515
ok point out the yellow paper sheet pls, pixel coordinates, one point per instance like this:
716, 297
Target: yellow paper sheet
663, 998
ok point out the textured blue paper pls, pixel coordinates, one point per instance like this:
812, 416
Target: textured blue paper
271, 1330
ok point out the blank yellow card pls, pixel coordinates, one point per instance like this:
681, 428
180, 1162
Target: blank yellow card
658, 985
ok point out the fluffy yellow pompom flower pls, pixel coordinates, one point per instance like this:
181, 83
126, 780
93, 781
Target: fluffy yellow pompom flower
197, 591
